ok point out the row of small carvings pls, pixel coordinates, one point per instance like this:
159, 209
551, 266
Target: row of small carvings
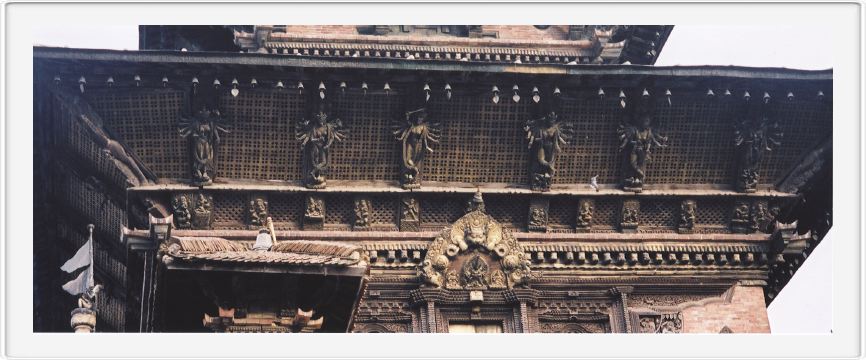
198, 210
411, 258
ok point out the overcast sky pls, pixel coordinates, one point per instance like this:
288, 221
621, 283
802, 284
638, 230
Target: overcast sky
804, 306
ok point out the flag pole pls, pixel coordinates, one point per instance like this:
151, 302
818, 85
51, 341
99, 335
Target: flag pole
84, 316
92, 282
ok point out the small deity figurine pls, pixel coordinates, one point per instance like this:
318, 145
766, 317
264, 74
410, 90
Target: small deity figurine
637, 141
474, 273
753, 135
410, 209
743, 221
545, 135
536, 217
202, 216
314, 208
416, 135
258, 211
687, 215
584, 215
629, 216
203, 131
317, 137
180, 209
362, 213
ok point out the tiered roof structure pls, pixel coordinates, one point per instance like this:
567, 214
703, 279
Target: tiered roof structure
427, 179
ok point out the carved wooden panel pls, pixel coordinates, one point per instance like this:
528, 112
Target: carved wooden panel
371, 152
261, 143
595, 124
804, 121
439, 211
659, 215
574, 327
79, 141
482, 141
146, 120
229, 211
286, 210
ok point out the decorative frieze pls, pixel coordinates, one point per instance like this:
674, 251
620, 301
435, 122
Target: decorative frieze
660, 323
475, 253
554, 214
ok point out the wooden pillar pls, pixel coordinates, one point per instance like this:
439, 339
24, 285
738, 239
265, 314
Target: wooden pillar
620, 322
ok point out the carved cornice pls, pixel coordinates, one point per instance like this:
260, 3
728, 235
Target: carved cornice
435, 187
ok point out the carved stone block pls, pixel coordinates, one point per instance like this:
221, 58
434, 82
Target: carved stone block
314, 212
630, 216
660, 323
363, 214
257, 211
410, 215
538, 210
688, 211
585, 209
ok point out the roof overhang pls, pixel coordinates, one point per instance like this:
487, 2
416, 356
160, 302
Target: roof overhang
82, 59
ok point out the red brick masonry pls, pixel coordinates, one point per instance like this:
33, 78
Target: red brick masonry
745, 313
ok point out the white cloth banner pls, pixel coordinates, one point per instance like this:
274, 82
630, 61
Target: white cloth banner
81, 284
80, 260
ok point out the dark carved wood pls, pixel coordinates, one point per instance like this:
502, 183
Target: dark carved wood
314, 212
317, 133
756, 130
538, 212
417, 135
637, 138
630, 216
546, 132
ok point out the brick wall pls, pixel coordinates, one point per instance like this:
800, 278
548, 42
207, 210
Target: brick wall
321, 30
746, 313
523, 32
529, 32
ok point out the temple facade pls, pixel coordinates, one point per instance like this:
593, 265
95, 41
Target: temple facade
432, 179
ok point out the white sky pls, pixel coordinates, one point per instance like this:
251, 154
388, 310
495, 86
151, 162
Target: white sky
805, 305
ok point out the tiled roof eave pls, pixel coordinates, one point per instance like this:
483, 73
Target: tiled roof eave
432, 49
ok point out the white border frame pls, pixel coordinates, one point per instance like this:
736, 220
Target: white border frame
842, 22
